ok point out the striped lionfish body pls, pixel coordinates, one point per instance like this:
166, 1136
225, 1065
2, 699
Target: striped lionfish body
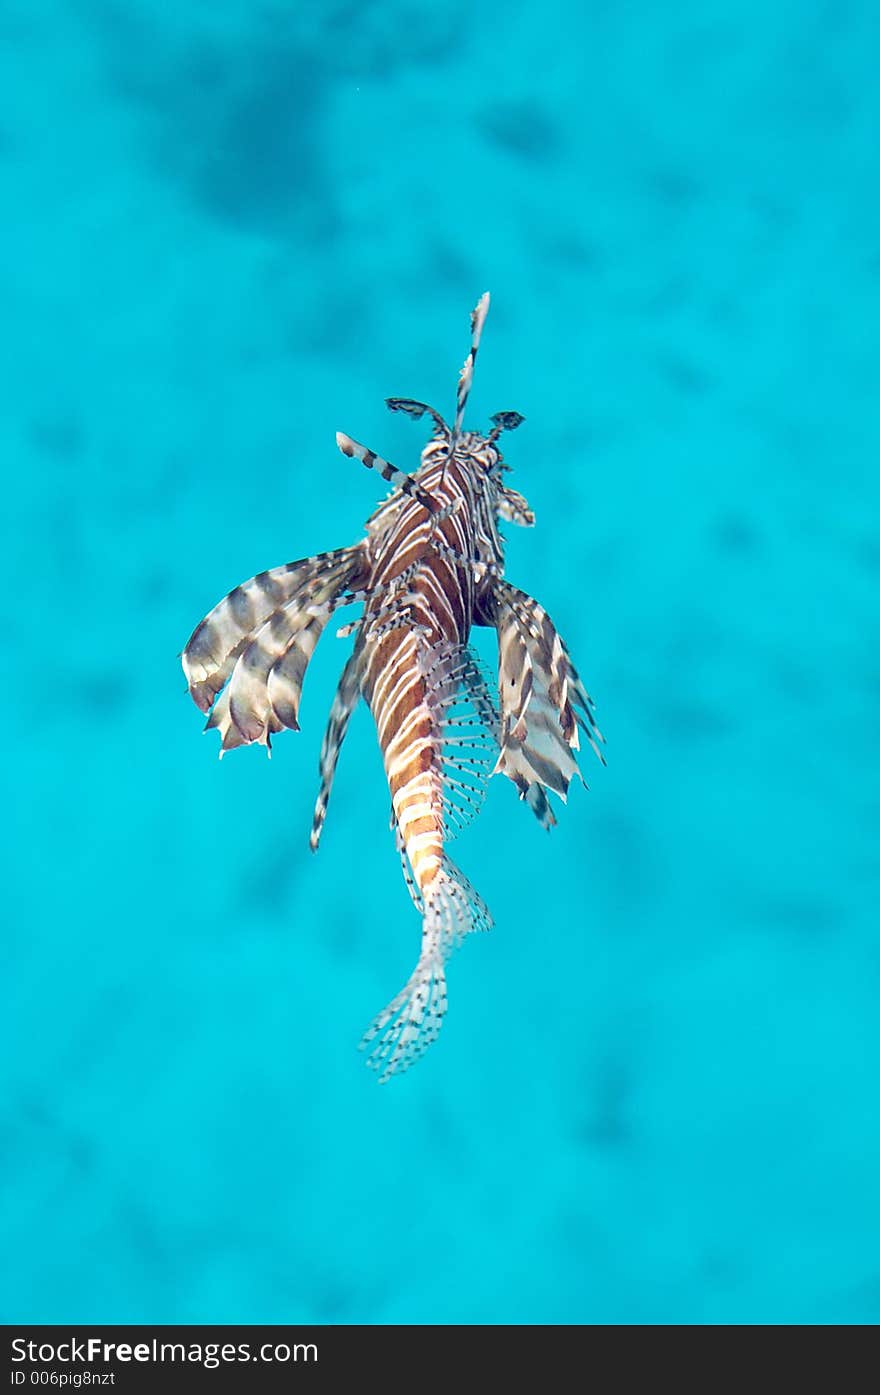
429, 568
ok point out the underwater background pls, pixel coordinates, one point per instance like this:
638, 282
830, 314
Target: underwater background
230, 231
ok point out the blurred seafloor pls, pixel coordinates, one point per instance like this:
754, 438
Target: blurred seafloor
229, 231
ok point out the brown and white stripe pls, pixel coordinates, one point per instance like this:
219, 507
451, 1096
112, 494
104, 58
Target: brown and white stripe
430, 567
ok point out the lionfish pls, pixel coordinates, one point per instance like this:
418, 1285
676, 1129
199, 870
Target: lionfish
429, 568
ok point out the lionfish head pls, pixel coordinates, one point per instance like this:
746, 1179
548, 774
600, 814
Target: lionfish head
454, 441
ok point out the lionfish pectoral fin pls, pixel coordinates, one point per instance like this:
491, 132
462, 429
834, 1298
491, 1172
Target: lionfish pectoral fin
347, 694
245, 662
514, 508
403, 1031
542, 700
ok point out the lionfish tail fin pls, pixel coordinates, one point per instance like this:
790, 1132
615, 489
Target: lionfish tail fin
403, 1031
411, 1022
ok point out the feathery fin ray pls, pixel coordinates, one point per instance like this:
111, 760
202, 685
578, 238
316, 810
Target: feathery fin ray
411, 1022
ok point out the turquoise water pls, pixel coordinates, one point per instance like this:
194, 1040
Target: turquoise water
230, 231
